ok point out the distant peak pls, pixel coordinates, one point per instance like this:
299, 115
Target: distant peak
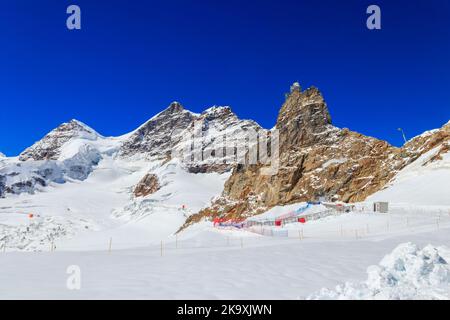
175, 106
76, 125
218, 109
2, 155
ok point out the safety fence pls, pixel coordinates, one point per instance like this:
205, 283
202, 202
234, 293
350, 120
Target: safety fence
302, 218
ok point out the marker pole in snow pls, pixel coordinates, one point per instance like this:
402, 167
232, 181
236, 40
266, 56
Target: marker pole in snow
110, 245
342, 231
161, 248
176, 241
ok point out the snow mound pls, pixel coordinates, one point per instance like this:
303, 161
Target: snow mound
405, 274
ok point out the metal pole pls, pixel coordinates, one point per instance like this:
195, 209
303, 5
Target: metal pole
403, 134
110, 245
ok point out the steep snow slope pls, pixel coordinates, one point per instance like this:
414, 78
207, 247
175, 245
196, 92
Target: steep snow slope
423, 182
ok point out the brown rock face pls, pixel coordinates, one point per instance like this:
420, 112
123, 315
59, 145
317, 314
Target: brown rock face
429, 140
317, 161
148, 185
302, 118
157, 136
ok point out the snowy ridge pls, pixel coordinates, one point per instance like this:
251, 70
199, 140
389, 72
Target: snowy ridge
422, 182
428, 133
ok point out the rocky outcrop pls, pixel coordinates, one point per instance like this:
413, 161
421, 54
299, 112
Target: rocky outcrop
148, 185
49, 148
438, 138
2, 186
317, 162
303, 120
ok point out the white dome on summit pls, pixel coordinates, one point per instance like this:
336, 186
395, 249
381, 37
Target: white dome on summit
296, 87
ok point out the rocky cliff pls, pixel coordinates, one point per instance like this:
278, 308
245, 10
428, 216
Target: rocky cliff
317, 161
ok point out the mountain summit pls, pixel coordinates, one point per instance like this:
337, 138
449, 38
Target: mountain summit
49, 148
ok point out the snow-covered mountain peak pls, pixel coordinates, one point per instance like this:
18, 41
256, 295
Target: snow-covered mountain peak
2, 155
175, 106
156, 137
49, 147
79, 126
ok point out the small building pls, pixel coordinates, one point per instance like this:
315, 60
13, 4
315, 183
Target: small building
381, 207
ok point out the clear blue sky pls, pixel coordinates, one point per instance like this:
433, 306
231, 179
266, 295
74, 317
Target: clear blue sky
132, 58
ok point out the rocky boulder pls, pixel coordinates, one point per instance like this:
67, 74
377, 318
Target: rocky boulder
148, 185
